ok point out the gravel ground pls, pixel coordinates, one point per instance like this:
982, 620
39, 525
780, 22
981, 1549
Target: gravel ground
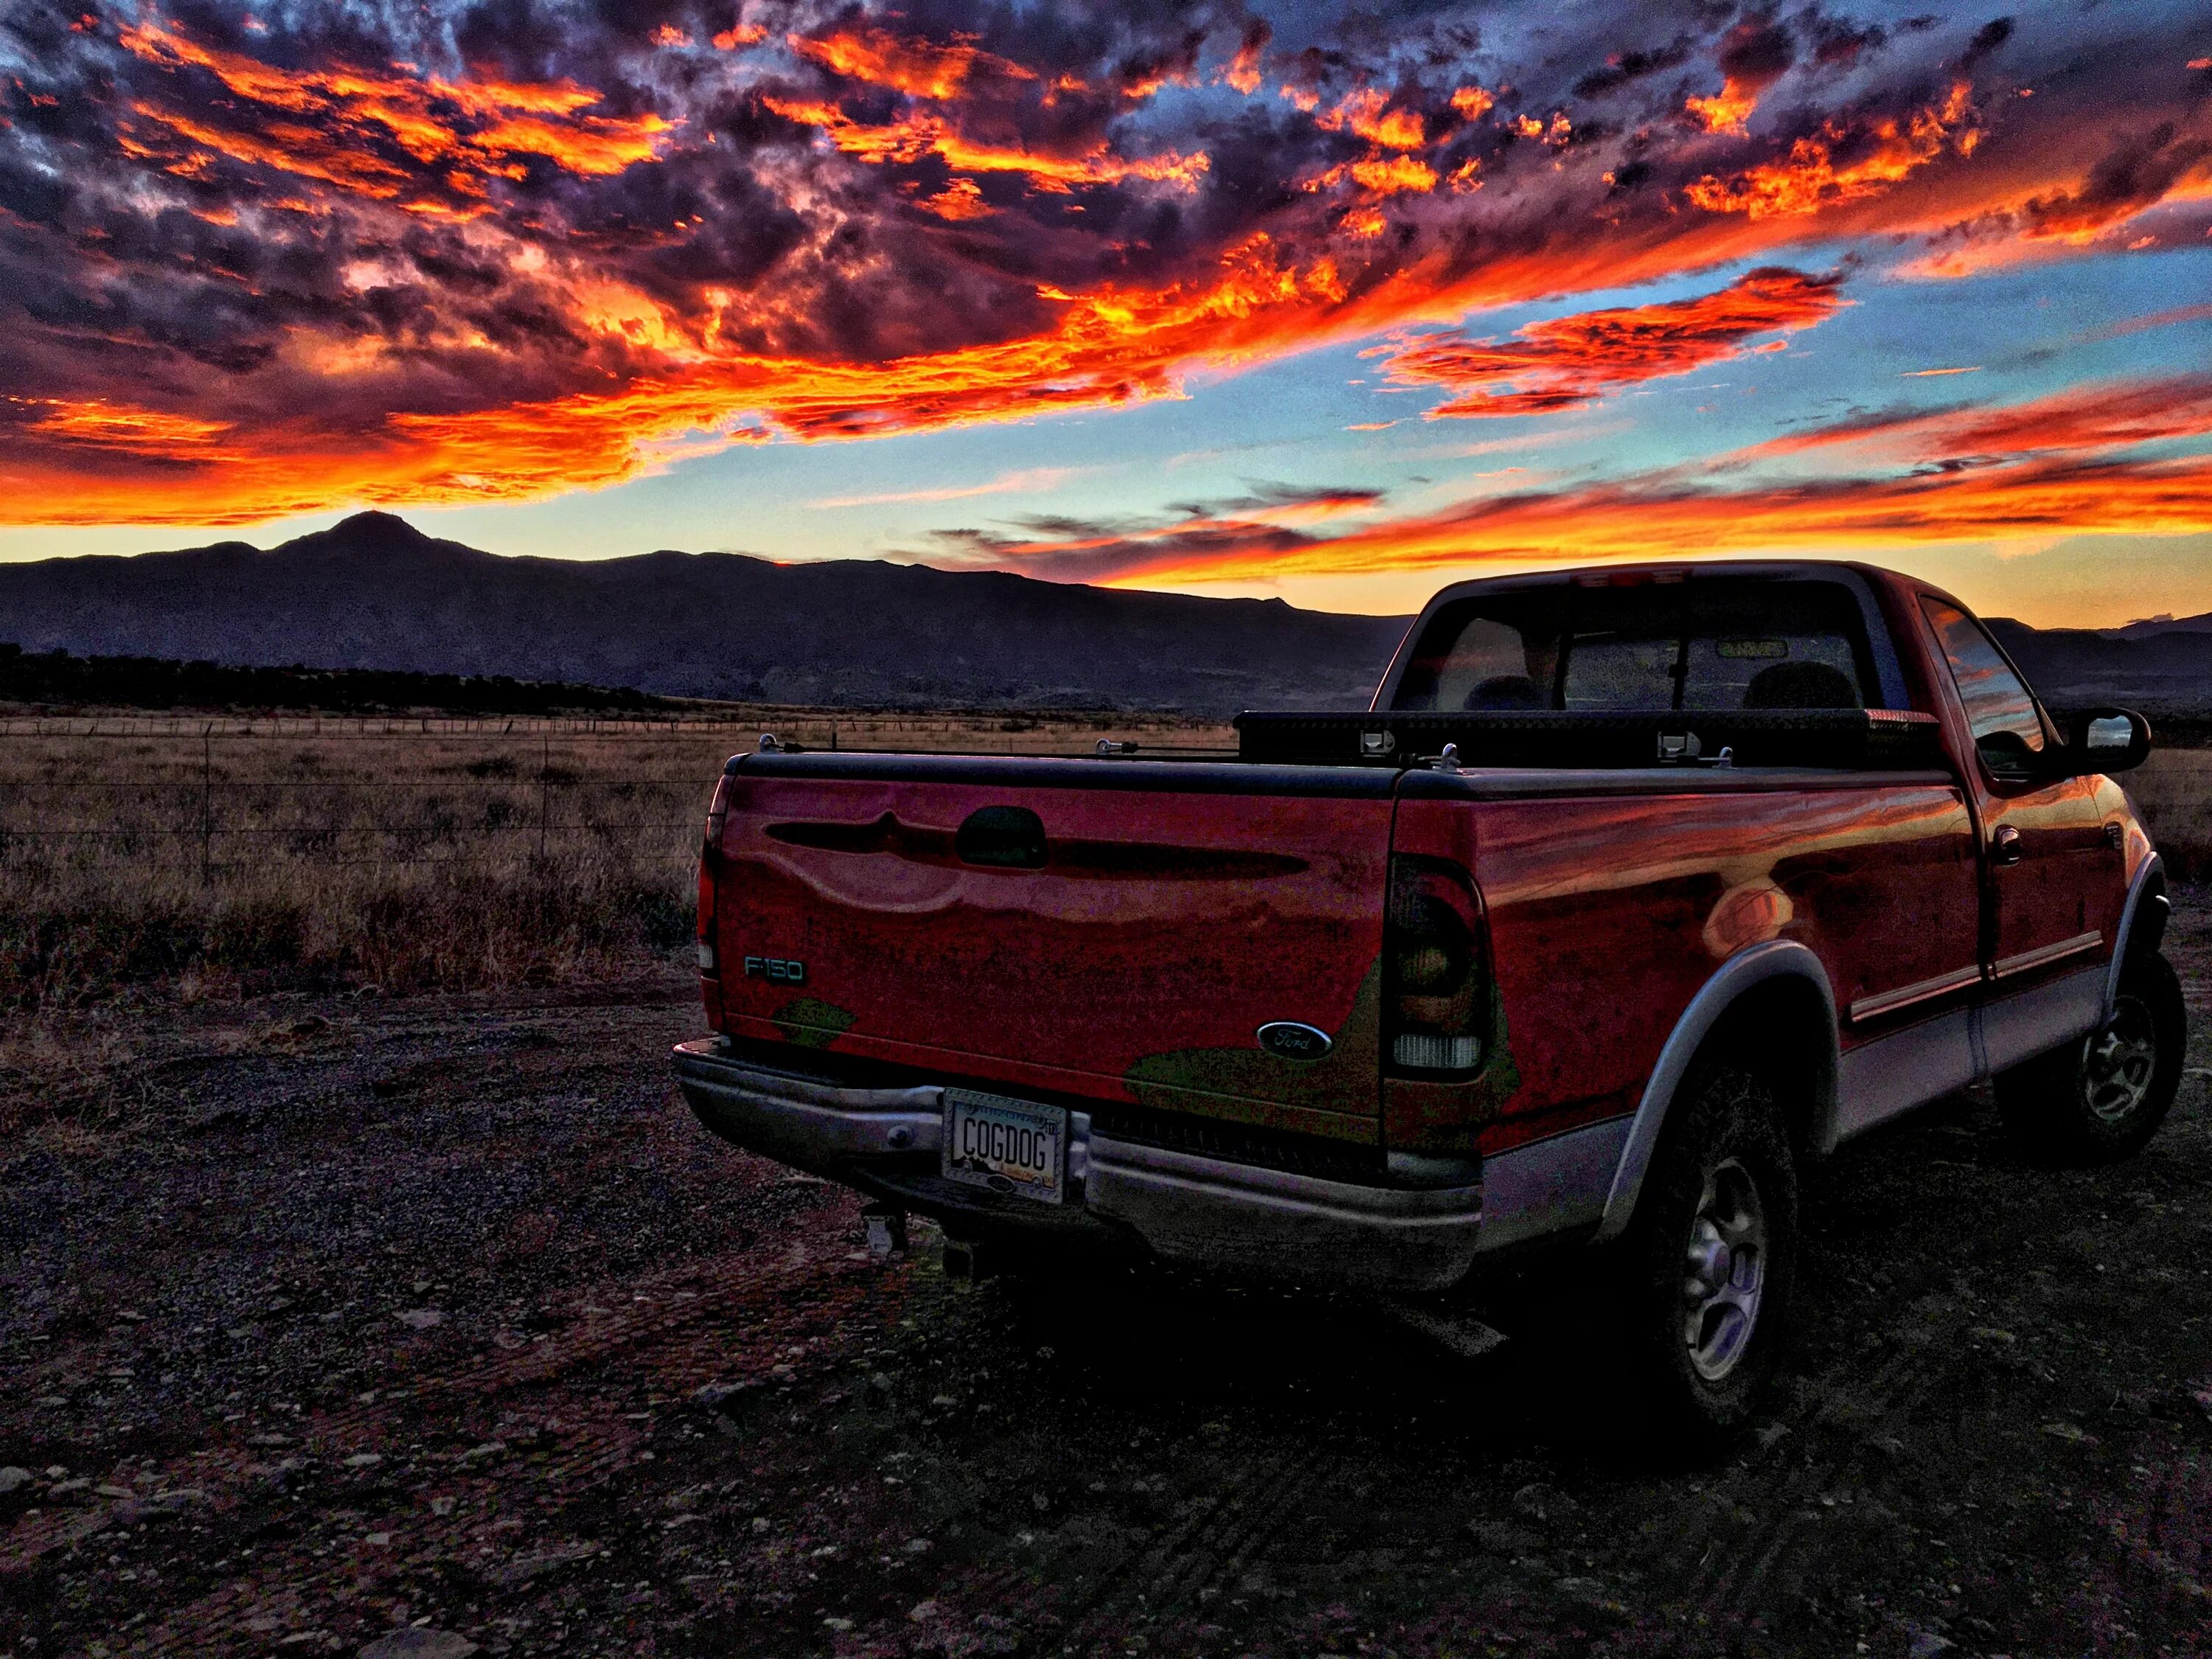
399, 1327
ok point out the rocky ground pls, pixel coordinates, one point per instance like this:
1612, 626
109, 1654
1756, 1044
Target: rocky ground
428, 1327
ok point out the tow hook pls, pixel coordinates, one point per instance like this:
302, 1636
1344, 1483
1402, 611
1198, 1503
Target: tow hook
886, 1228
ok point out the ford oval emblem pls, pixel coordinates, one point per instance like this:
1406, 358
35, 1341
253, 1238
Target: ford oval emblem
1286, 1039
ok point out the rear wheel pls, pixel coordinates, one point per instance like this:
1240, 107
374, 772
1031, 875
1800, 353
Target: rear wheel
1709, 1261
2101, 1098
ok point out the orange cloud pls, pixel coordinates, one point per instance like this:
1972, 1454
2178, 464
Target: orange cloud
1567, 362
122, 430
1244, 71
912, 137
961, 199
1387, 175
917, 68
480, 125
1725, 111
1844, 162
1367, 113
2110, 416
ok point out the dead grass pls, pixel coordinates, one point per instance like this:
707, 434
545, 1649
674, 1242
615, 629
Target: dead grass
2172, 790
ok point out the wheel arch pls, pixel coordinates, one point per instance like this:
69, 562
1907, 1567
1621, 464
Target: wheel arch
1771, 1000
2139, 927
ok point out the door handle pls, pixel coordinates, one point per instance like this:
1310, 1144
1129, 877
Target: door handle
2004, 845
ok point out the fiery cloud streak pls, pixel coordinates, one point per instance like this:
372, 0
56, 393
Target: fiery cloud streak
2069, 464
1572, 361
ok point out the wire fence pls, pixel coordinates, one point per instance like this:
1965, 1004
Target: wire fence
237, 798
145, 853
214, 798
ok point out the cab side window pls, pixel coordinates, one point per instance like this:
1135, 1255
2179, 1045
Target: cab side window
2001, 712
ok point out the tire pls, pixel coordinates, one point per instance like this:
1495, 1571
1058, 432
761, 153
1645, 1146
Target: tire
1709, 1263
2102, 1098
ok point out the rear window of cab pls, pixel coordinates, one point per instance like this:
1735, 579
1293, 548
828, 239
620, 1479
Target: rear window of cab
1720, 644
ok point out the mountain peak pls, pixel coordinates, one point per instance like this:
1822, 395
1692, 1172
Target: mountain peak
371, 533
372, 526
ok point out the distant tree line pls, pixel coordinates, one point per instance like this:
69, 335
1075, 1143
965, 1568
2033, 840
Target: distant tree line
59, 678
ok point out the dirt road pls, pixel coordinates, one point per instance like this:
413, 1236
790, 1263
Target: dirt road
443, 1317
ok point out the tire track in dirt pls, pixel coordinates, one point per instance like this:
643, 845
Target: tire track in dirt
1726, 1564
724, 1319
1189, 1565
725, 1336
589, 1340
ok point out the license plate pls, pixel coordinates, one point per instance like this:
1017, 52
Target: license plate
1014, 1147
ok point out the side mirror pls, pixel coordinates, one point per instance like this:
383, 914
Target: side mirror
2007, 755
2104, 740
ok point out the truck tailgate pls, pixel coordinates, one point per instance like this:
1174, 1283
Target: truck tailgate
1115, 929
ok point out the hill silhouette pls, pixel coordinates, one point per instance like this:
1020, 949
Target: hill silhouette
375, 592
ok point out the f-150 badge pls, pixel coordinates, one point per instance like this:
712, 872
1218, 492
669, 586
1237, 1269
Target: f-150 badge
781, 970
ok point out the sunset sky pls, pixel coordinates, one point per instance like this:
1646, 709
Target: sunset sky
1334, 303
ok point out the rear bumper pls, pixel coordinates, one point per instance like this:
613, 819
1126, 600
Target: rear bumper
1204, 1210
810, 1125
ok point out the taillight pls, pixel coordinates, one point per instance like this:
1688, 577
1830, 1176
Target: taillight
718, 812
710, 856
707, 964
1437, 954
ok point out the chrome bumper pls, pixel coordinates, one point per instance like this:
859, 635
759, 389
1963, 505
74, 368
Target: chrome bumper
1270, 1221
1204, 1210
810, 1125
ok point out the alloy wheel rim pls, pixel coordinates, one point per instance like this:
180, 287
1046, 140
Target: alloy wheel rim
1724, 1271
2118, 1062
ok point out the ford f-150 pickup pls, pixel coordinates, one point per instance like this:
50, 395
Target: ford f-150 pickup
1635, 892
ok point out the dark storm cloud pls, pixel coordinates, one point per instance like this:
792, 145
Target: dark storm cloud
477, 251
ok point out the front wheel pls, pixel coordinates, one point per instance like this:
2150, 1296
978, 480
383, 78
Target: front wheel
1709, 1261
2101, 1098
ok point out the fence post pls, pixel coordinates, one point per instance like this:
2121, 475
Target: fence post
544, 787
207, 805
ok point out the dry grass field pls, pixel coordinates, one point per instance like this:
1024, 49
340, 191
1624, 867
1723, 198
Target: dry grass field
2173, 792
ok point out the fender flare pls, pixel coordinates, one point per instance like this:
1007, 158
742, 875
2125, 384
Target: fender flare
2149, 887
1752, 966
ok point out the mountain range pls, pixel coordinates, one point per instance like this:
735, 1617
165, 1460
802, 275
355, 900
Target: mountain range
375, 593
2161, 666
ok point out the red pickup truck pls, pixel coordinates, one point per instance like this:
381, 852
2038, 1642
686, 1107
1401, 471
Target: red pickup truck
1634, 893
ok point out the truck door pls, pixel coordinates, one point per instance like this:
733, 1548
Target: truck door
2049, 870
